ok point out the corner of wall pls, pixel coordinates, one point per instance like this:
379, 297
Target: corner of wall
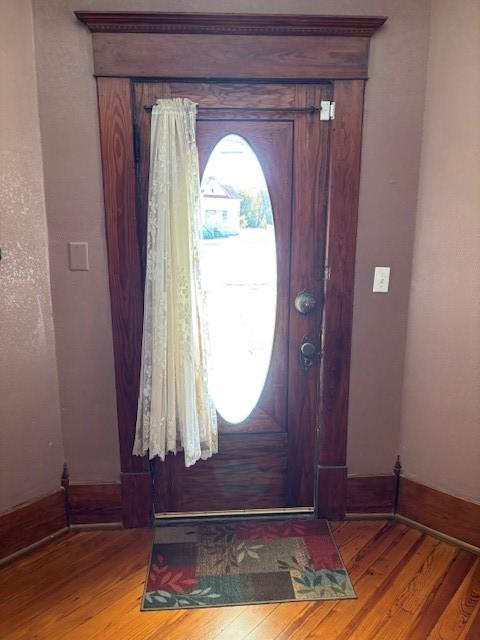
440, 400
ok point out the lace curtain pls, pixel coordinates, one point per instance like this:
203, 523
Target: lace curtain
174, 409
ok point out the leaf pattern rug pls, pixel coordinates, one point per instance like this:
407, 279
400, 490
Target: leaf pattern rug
247, 562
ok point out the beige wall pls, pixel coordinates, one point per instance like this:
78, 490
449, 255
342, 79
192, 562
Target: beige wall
393, 119
440, 438
30, 438
74, 199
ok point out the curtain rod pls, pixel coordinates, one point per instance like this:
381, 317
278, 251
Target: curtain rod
312, 109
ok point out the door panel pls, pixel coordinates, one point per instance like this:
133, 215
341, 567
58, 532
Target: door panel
247, 473
268, 460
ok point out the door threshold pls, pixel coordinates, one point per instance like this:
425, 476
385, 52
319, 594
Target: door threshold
229, 514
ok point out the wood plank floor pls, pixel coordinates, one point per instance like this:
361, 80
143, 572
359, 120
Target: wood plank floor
88, 585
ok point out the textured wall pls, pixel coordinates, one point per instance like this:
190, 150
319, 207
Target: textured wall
440, 438
74, 200
393, 119
30, 438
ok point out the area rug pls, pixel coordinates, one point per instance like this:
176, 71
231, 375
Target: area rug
246, 562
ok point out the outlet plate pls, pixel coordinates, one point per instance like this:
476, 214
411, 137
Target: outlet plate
381, 280
78, 256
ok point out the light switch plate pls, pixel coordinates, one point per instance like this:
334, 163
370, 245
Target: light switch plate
381, 279
78, 256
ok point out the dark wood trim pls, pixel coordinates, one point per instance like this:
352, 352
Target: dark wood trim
331, 492
137, 499
95, 503
309, 211
126, 291
344, 181
370, 494
440, 511
228, 23
397, 472
65, 483
31, 522
246, 57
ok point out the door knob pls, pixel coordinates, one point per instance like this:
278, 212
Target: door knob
305, 302
307, 353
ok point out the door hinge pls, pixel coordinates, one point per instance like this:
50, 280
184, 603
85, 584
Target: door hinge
136, 143
327, 110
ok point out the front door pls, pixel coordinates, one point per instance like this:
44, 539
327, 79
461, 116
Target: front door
263, 161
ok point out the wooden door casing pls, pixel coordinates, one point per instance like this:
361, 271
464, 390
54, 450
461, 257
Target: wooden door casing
116, 108
274, 466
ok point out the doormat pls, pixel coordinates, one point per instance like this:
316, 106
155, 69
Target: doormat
245, 562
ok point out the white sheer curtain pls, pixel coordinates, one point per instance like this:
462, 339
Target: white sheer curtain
174, 409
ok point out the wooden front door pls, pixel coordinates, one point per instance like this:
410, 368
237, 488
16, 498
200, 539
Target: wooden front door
267, 459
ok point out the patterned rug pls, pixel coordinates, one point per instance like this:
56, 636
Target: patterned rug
245, 562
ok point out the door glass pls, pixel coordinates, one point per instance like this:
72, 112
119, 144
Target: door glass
239, 276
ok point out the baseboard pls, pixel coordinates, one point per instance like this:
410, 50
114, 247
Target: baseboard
32, 522
440, 512
370, 495
100, 505
437, 534
370, 516
31, 547
97, 526
90, 504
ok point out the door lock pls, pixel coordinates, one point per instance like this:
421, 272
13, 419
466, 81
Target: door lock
308, 351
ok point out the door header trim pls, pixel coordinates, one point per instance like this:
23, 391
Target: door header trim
229, 23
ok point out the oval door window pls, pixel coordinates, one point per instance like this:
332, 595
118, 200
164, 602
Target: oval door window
239, 275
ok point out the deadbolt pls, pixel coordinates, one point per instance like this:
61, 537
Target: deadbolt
307, 353
305, 302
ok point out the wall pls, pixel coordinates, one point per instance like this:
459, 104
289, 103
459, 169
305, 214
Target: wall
440, 437
391, 150
30, 437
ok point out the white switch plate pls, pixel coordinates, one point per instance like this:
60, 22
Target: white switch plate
78, 256
381, 279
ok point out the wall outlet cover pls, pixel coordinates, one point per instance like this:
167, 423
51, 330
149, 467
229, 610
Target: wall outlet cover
381, 280
78, 256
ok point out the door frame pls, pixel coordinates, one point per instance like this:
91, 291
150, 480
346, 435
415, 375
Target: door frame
128, 46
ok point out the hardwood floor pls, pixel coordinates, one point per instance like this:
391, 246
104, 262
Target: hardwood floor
87, 585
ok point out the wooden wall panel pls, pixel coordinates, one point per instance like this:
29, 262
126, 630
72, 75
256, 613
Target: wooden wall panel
31, 522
